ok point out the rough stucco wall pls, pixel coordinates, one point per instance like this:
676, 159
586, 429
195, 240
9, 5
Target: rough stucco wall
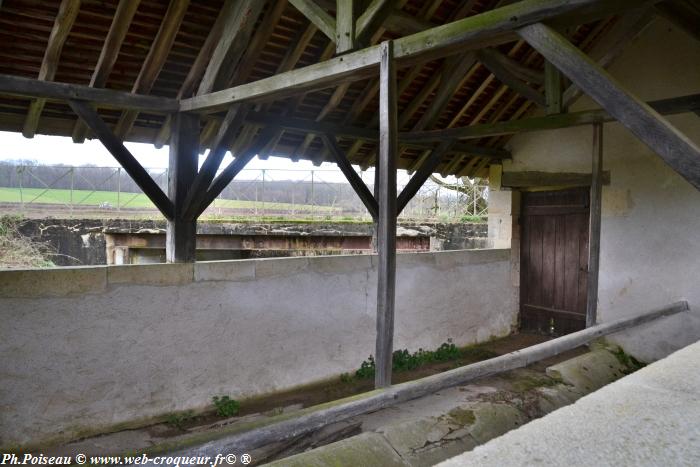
650, 246
87, 348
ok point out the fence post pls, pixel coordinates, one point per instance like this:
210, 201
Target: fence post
119, 187
72, 186
262, 194
20, 171
313, 197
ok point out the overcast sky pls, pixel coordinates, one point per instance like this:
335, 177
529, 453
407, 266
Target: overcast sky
61, 150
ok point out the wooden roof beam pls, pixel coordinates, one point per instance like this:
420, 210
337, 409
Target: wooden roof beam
155, 60
62, 25
671, 106
108, 56
48, 90
677, 150
470, 33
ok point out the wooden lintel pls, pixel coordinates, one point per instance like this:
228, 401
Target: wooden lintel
676, 149
124, 157
550, 179
471, 33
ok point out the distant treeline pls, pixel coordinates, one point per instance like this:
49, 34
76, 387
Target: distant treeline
29, 174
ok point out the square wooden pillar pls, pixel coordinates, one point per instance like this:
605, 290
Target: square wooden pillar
386, 220
180, 236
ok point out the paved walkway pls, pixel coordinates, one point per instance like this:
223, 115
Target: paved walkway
651, 417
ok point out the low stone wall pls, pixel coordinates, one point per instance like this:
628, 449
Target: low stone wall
85, 349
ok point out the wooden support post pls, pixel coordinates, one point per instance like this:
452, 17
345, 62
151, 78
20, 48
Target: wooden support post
386, 221
594, 226
345, 25
553, 90
180, 237
676, 149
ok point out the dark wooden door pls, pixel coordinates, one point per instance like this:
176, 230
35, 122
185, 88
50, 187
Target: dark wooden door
554, 261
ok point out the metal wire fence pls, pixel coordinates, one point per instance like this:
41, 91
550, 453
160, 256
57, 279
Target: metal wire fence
41, 190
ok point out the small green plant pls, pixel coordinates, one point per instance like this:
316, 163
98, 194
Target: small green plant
403, 360
178, 420
345, 377
366, 369
225, 406
631, 364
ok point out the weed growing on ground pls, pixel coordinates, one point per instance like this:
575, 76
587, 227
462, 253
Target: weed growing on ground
225, 406
403, 360
631, 364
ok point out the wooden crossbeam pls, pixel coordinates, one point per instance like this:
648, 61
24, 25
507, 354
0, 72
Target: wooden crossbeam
504, 75
355, 181
234, 168
552, 122
317, 15
126, 9
65, 18
474, 32
677, 150
33, 88
233, 121
124, 157
426, 169
155, 60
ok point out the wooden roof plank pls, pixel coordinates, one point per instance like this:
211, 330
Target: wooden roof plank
155, 60
62, 26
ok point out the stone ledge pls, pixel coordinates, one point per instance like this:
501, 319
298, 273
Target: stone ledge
37, 283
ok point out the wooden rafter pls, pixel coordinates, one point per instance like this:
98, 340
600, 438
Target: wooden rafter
505, 76
200, 64
154, 60
108, 56
65, 18
317, 15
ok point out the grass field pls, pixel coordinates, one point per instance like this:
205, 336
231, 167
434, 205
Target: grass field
128, 200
